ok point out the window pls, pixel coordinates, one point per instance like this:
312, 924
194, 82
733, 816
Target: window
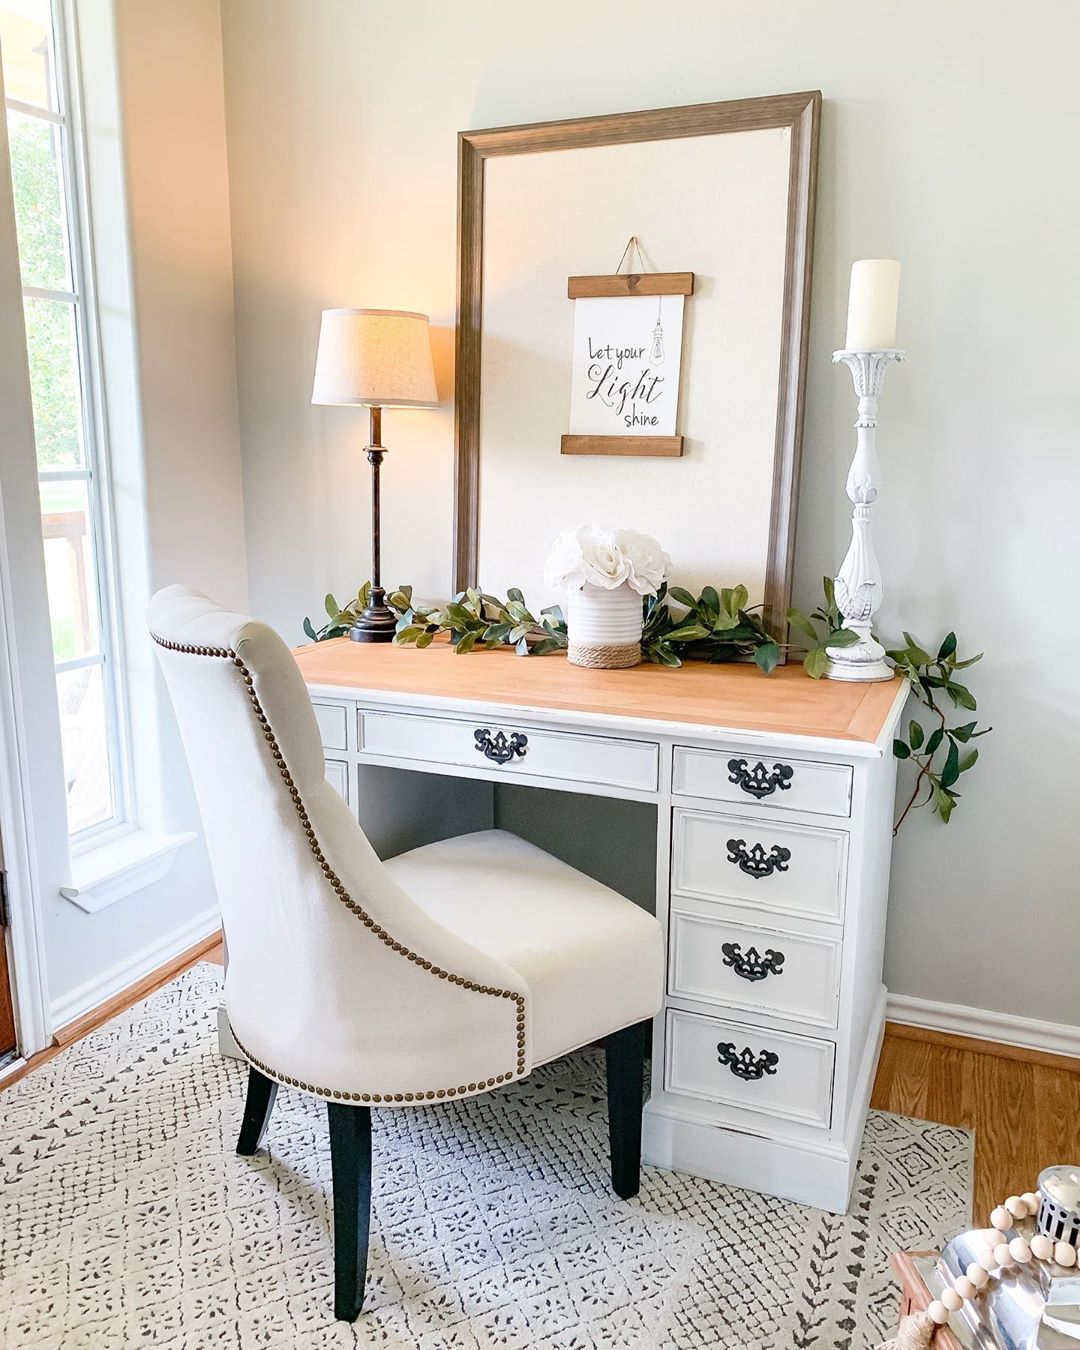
61, 335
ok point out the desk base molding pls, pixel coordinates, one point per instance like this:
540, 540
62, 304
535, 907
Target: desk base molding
806, 1171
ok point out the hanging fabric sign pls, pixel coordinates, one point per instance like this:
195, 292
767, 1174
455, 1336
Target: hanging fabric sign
627, 354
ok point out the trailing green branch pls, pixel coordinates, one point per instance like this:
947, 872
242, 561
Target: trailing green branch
942, 756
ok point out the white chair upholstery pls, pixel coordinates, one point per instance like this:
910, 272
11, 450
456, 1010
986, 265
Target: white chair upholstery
590, 958
446, 971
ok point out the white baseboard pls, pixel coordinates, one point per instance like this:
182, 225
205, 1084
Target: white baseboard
1057, 1038
84, 999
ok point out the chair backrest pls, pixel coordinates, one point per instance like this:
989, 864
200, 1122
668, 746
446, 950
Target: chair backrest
337, 982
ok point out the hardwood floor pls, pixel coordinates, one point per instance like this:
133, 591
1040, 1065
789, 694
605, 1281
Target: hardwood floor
1025, 1111
1023, 1106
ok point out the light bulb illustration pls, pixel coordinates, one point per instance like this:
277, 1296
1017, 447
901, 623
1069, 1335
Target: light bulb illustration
658, 335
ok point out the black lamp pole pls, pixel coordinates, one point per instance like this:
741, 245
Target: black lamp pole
377, 622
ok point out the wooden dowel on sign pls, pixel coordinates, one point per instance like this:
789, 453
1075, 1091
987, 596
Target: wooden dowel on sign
667, 446
633, 283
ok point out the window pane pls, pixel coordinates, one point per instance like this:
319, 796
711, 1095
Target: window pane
84, 728
37, 178
67, 529
54, 383
26, 44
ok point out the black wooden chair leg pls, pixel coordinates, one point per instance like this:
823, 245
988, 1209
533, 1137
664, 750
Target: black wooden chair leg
261, 1093
625, 1054
350, 1162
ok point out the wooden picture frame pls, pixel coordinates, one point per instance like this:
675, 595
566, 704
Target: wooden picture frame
799, 114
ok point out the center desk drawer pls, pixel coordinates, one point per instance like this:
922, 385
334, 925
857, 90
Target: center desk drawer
786, 869
770, 1071
508, 749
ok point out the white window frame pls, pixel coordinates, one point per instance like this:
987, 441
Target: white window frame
95, 469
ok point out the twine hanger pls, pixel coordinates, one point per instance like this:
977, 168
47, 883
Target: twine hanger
634, 243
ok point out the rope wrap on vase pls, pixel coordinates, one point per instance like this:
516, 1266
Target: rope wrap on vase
619, 657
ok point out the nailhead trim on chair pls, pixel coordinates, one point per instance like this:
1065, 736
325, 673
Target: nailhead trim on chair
338, 887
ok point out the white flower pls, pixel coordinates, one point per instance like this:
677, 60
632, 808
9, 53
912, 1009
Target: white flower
648, 562
607, 558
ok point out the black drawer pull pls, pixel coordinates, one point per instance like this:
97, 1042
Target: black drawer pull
499, 747
744, 1063
760, 781
750, 965
755, 862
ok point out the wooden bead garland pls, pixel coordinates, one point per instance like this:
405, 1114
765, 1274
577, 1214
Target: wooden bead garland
998, 1254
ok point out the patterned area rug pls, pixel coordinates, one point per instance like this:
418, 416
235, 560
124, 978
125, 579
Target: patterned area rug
126, 1218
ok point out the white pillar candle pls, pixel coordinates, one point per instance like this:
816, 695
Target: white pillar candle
872, 301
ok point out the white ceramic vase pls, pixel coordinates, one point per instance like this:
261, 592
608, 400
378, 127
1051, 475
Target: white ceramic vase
603, 627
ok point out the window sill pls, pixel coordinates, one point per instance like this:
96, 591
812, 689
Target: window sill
102, 876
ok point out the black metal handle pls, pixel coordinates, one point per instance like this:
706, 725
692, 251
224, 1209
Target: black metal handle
759, 781
754, 861
500, 747
751, 965
744, 1063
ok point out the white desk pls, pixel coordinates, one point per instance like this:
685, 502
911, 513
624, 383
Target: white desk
773, 801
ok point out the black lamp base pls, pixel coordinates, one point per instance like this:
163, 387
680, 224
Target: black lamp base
377, 623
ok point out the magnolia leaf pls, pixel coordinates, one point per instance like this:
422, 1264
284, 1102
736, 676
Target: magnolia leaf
901, 750
425, 639
408, 634
915, 734
816, 663
961, 696
798, 620
517, 633
682, 597
544, 646
465, 643
951, 772
767, 656
311, 633
554, 612
331, 605
690, 632
944, 803
514, 594
496, 632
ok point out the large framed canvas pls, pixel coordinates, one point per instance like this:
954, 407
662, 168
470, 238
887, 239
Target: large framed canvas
699, 361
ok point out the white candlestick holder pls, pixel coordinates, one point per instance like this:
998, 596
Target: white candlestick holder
859, 586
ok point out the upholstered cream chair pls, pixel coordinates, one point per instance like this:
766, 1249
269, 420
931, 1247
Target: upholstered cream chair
440, 974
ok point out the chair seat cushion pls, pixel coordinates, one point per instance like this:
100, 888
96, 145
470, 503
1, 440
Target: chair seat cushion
593, 960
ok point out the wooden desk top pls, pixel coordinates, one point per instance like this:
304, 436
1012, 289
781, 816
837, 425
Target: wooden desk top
786, 703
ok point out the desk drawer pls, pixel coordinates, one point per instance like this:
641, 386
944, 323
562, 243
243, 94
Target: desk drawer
740, 1065
745, 779
336, 773
713, 959
331, 720
512, 750
786, 869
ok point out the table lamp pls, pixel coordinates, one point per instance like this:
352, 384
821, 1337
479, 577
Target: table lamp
374, 359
